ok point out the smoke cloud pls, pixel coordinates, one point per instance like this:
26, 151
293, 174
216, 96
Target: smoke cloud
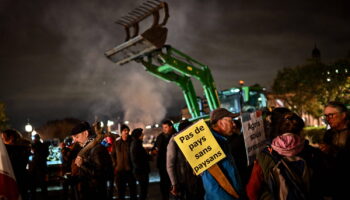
53, 64
116, 91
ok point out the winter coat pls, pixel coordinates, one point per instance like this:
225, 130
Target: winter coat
338, 161
123, 157
139, 157
212, 189
94, 173
257, 187
161, 145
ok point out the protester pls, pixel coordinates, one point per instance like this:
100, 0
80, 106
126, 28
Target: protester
69, 152
66, 158
160, 148
9, 188
93, 162
185, 185
336, 144
18, 152
222, 127
140, 161
108, 141
304, 162
38, 167
336, 139
123, 166
272, 118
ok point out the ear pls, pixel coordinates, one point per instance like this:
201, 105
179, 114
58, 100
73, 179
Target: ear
343, 115
86, 133
219, 123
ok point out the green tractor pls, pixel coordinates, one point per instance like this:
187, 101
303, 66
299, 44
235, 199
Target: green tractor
172, 65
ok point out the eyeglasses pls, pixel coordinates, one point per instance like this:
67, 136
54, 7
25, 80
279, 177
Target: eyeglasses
330, 115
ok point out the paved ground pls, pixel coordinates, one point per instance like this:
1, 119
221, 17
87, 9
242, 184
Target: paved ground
56, 193
56, 190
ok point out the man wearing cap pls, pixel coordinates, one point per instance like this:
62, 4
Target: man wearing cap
222, 126
93, 162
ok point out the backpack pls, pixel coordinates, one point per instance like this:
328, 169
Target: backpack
289, 178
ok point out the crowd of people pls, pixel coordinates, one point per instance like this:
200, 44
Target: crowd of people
97, 165
28, 162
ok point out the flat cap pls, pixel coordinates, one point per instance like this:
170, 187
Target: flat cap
220, 113
82, 126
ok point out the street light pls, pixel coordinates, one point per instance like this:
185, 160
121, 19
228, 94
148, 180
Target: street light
241, 82
28, 128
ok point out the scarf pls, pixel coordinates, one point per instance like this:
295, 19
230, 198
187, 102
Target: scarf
288, 144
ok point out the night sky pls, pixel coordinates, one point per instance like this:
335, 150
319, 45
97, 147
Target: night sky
52, 62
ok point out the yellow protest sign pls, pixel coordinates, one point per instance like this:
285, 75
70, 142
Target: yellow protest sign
199, 146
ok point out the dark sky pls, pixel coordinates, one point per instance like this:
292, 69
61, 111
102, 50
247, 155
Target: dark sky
52, 62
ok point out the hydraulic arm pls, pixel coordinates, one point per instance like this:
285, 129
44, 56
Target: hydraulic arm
172, 60
184, 82
162, 60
